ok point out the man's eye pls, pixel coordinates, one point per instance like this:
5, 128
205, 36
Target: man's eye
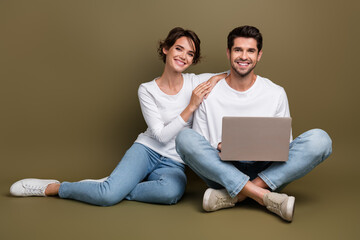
177, 48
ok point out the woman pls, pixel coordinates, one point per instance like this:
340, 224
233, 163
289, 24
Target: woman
151, 170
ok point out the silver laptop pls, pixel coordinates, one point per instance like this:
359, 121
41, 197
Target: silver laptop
255, 138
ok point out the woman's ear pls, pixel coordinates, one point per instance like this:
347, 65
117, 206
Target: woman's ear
165, 51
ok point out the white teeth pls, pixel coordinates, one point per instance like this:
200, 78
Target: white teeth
180, 62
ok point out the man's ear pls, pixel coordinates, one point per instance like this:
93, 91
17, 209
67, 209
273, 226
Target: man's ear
259, 55
228, 53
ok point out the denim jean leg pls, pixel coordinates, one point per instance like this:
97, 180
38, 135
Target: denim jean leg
204, 160
132, 169
164, 185
305, 153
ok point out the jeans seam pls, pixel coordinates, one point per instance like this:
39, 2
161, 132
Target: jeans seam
267, 181
239, 188
159, 161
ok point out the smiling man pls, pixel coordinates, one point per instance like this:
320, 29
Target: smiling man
243, 93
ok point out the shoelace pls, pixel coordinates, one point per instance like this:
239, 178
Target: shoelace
275, 207
223, 201
34, 190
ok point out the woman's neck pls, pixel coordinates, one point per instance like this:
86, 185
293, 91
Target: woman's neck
170, 82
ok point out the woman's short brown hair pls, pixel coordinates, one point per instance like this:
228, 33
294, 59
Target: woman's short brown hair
174, 35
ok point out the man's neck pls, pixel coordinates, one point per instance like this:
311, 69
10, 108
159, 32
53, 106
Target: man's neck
240, 83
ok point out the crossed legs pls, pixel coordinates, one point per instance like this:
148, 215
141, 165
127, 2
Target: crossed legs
306, 152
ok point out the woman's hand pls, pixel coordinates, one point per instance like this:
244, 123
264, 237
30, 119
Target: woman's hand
198, 95
214, 80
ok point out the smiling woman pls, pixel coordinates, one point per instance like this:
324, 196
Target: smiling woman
151, 170
180, 55
174, 35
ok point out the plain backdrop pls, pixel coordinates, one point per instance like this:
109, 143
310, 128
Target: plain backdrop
69, 74
70, 71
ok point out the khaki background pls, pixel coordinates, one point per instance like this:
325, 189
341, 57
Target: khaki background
69, 73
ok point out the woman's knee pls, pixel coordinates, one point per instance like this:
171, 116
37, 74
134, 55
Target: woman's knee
108, 198
174, 188
173, 195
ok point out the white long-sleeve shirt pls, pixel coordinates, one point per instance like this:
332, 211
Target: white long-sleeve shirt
263, 99
162, 114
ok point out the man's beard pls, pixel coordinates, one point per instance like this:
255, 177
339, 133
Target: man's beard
242, 74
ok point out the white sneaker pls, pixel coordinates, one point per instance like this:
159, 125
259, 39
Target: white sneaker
281, 204
94, 180
30, 187
217, 199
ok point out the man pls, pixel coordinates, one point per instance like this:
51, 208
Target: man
242, 93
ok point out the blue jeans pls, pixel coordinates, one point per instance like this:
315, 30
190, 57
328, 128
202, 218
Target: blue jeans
305, 152
142, 175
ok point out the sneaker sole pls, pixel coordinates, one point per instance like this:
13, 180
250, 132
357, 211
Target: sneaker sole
290, 208
206, 199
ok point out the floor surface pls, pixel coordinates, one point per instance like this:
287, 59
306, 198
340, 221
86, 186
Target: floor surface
327, 207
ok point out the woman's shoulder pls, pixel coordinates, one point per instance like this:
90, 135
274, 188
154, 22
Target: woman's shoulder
198, 77
193, 80
189, 76
147, 89
147, 86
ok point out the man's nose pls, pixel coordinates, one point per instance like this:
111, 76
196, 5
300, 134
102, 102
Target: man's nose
244, 55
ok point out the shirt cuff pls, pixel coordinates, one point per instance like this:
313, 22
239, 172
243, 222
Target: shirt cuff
181, 120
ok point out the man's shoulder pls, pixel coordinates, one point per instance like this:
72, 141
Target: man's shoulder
217, 90
270, 85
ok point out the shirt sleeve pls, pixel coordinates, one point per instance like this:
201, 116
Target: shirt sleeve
160, 131
283, 108
200, 123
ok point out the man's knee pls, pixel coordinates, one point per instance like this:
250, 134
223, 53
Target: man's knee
321, 142
183, 141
